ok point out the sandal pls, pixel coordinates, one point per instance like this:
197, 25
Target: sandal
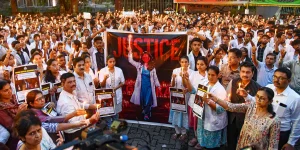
183, 137
198, 146
193, 142
175, 136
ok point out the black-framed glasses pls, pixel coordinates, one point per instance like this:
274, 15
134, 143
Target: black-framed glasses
40, 99
279, 78
260, 98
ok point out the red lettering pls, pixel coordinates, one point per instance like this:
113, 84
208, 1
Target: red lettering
148, 41
124, 47
174, 49
161, 44
156, 49
136, 45
118, 52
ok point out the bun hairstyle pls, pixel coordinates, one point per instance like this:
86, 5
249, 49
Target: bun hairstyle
109, 57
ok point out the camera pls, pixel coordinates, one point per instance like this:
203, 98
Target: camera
100, 138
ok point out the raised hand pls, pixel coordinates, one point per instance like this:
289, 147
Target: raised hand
282, 53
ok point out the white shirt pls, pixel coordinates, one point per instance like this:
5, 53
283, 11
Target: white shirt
235, 44
68, 103
118, 79
288, 119
18, 58
290, 51
3, 51
4, 135
92, 74
196, 79
33, 45
85, 88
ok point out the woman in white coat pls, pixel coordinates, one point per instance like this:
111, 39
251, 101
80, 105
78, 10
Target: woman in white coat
180, 120
112, 77
146, 81
212, 127
198, 77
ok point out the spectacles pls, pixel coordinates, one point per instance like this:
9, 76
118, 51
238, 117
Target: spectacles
261, 98
278, 78
40, 99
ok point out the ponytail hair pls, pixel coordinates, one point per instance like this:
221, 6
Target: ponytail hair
271, 111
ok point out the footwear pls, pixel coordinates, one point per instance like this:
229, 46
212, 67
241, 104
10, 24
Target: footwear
198, 146
183, 137
193, 142
174, 136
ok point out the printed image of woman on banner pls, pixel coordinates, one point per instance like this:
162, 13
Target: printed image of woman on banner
144, 92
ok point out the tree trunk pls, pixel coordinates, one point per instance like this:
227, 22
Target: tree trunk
74, 6
14, 7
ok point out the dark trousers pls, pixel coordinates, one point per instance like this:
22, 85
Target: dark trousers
71, 136
284, 138
233, 133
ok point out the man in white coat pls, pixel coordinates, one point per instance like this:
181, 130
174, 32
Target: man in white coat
197, 51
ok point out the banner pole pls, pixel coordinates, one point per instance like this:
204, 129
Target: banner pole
176, 7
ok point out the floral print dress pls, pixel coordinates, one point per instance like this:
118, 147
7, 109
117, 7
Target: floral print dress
259, 131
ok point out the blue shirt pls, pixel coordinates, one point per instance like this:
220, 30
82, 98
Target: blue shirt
264, 74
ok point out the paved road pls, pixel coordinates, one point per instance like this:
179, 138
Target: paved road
160, 137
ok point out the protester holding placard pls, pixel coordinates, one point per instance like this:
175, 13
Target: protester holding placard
213, 124
52, 124
52, 75
112, 77
197, 77
179, 119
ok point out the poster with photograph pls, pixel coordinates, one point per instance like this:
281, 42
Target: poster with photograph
198, 106
58, 91
48, 110
45, 90
105, 98
177, 100
25, 80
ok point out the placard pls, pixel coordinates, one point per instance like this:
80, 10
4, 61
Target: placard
58, 91
198, 106
105, 98
49, 110
87, 15
45, 90
128, 13
177, 100
25, 80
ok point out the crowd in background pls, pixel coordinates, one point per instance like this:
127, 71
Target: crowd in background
250, 63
